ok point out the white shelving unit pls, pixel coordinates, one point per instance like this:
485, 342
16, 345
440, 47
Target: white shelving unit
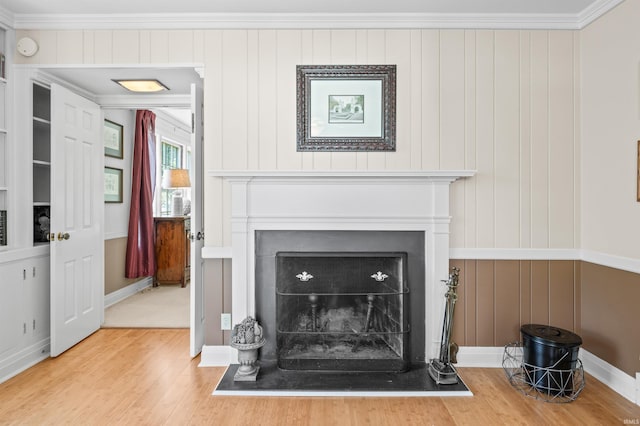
41, 125
4, 144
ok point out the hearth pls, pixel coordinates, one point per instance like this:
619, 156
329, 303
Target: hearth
341, 311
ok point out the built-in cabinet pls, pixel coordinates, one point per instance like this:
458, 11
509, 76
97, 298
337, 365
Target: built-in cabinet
24, 313
24, 215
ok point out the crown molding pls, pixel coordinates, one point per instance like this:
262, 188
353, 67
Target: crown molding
313, 20
596, 10
6, 18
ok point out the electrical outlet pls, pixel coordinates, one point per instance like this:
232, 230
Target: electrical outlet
225, 321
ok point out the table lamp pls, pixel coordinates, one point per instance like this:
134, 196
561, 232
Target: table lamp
176, 179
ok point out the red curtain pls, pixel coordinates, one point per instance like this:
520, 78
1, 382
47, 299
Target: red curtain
141, 260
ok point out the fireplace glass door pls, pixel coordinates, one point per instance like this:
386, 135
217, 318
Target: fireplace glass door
342, 311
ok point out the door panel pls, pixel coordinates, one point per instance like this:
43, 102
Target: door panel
197, 228
77, 251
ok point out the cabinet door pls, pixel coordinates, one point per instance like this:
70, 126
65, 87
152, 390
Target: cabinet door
12, 327
37, 293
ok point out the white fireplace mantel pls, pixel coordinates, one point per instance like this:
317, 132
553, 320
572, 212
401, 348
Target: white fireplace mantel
341, 200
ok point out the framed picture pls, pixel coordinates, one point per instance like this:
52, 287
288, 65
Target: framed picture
346, 107
112, 185
112, 134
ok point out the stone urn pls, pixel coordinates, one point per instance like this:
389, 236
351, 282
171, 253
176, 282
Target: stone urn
247, 338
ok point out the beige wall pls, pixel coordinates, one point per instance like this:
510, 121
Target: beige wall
115, 251
501, 102
611, 128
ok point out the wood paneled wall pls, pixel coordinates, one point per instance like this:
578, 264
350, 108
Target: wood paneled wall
496, 297
502, 102
610, 299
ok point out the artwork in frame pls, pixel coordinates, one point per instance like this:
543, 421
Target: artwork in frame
346, 107
112, 134
112, 185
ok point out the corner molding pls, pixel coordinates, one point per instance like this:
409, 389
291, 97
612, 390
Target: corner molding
596, 10
314, 20
6, 18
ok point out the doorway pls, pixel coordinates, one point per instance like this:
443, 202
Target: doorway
95, 83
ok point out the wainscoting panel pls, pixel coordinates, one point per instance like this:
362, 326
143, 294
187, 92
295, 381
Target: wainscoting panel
610, 299
497, 296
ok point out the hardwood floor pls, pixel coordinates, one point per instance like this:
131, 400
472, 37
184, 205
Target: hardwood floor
145, 377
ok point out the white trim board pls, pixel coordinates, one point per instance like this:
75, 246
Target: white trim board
560, 21
119, 295
24, 359
603, 259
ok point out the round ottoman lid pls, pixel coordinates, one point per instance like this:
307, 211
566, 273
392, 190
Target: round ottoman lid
552, 336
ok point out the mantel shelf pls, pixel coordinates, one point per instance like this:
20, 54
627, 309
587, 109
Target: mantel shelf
344, 174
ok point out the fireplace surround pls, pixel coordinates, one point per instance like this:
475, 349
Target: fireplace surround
399, 201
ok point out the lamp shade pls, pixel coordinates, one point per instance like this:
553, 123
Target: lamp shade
176, 178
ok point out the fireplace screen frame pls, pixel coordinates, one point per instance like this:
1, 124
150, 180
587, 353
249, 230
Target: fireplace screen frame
269, 242
349, 314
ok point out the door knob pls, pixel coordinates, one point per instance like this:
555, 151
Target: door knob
200, 236
64, 236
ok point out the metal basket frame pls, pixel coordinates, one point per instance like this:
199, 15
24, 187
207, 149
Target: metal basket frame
547, 384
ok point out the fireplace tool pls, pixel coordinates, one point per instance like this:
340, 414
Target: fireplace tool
440, 369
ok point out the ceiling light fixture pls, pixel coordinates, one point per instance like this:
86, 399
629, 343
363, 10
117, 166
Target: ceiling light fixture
142, 86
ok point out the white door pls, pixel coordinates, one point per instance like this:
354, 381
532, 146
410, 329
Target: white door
197, 228
77, 197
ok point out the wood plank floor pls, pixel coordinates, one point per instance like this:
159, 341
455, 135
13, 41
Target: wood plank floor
145, 377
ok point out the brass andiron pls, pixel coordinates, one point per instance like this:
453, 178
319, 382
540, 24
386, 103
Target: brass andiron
440, 369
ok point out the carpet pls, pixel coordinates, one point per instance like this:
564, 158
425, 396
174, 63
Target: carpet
165, 306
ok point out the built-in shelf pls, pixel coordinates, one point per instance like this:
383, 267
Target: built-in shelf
41, 143
41, 120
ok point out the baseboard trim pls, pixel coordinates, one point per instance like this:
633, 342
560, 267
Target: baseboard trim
130, 290
217, 356
480, 356
611, 376
24, 359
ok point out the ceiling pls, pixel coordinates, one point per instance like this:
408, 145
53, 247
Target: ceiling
86, 14
98, 81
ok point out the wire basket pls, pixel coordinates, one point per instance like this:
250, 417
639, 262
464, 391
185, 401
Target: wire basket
544, 383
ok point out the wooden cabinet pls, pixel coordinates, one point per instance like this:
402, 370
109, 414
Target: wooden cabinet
172, 246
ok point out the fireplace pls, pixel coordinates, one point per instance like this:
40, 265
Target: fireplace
339, 205
328, 302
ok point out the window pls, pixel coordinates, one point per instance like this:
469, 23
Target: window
171, 158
